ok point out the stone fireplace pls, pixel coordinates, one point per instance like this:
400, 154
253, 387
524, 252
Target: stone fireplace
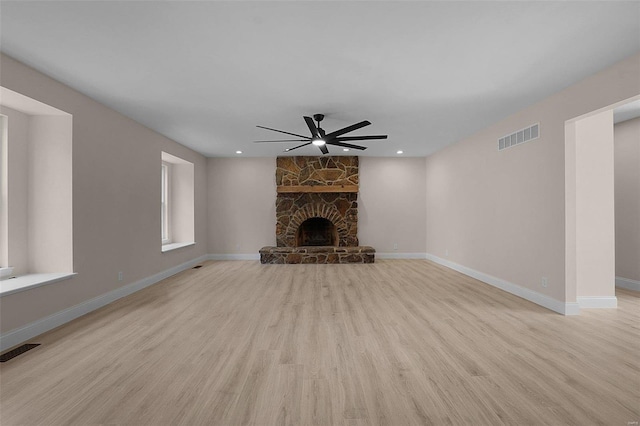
339, 209
317, 212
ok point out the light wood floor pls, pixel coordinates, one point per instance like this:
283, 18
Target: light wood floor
397, 342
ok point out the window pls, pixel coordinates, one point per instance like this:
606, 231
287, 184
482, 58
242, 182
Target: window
177, 203
4, 189
36, 246
166, 236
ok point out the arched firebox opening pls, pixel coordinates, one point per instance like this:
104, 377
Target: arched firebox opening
317, 231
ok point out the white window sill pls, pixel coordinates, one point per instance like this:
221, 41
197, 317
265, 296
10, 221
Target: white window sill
174, 246
27, 282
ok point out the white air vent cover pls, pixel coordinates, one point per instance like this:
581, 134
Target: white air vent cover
521, 136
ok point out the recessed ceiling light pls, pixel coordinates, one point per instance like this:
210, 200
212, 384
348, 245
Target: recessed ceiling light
238, 152
345, 149
399, 152
318, 142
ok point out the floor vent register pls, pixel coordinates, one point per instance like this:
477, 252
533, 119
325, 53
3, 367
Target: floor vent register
17, 351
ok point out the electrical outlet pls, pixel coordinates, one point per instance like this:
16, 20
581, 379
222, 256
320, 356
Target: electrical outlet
395, 246
446, 252
120, 276
545, 282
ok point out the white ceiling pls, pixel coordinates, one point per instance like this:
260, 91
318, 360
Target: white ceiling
205, 73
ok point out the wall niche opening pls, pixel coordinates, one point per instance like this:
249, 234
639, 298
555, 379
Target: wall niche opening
317, 231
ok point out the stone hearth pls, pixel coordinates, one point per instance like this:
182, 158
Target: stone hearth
317, 254
317, 212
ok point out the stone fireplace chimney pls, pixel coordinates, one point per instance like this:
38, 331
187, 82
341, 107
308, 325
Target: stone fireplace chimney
317, 212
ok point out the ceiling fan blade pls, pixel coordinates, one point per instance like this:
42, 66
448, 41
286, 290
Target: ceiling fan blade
361, 138
284, 140
324, 149
282, 131
346, 145
312, 127
348, 129
296, 147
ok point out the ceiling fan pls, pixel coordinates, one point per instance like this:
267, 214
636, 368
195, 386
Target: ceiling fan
321, 139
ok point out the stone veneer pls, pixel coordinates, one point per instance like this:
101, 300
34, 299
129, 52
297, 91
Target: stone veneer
319, 254
317, 171
293, 208
324, 187
341, 208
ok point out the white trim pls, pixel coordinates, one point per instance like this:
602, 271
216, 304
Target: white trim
29, 281
598, 302
24, 333
239, 256
169, 158
6, 272
627, 283
565, 308
393, 255
174, 246
571, 308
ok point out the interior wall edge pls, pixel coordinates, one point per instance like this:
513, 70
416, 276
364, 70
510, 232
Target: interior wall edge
627, 283
564, 308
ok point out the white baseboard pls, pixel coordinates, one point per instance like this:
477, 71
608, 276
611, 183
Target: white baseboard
598, 302
238, 256
394, 255
29, 331
525, 293
627, 283
571, 308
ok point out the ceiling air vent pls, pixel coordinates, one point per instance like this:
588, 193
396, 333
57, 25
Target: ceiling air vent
521, 136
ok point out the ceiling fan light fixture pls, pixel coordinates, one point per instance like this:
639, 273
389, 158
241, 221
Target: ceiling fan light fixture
318, 142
